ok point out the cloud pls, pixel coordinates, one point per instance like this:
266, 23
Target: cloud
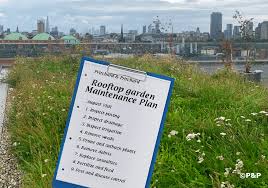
2, 15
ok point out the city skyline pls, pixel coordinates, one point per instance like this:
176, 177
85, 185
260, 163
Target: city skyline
82, 15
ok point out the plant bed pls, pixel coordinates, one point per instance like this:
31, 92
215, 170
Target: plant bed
254, 76
216, 125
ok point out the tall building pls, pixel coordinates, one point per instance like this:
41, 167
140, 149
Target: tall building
54, 32
236, 32
40, 26
134, 32
131, 36
72, 31
229, 31
1, 29
157, 26
8, 31
248, 30
122, 39
150, 28
264, 30
225, 32
198, 33
216, 25
144, 29
258, 32
102, 30
17, 30
47, 26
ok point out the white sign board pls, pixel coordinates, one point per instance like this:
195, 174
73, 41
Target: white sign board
114, 127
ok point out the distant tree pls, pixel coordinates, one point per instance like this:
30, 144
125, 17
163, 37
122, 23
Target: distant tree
227, 50
247, 36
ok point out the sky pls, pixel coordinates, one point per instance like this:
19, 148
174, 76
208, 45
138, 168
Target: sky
82, 15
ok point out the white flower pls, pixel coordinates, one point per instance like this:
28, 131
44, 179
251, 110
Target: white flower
173, 133
197, 151
228, 120
254, 114
238, 153
220, 118
198, 141
15, 144
238, 166
220, 157
191, 136
200, 159
263, 112
263, 157
223, 134
226, 185
243, 117
248, 120
63, 110
43, 175
227, 171
46, 160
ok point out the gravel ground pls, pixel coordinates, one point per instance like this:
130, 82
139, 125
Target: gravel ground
10, 176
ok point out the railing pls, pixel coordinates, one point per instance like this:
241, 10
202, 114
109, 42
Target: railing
11, 49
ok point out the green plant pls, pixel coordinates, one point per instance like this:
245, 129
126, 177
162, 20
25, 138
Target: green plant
212, 122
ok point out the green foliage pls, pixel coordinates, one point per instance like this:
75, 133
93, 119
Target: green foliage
42, 94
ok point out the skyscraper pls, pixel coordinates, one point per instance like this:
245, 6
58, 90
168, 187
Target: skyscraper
144, 29
248, 31
1, 29
150, 28
236, 33
17, 30
72, 31
121, 39
264, 30
157, 26
102, 30
54, 32
216, 25
40, 26
258, 32
47, 26
229, 31
198, 32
